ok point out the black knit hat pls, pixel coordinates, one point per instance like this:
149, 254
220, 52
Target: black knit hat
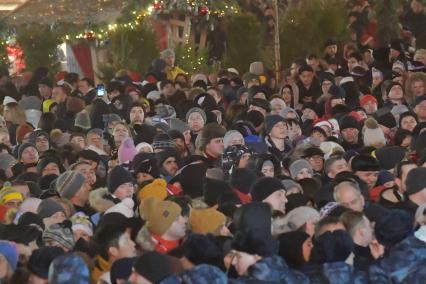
242, 179
312, 151
290, 248
332, 247
43, 162
163, 141
416, 180
387, 119
348, 122
364, 163
89, 155
264, 187
148, 166
254, 243
261, 103
394, 226
118, 176
389, 156
337, 92
153, 266
164, 155
121, 269
271, 121
213, 189
22, 147
41, 258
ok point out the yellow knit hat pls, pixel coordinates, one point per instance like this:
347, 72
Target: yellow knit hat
157, 188
46, 105
204, 221
158, 214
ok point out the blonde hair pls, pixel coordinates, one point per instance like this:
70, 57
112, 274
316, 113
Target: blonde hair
17, 113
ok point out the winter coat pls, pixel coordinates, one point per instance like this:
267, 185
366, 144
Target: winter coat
404, 263
200, 274
271, 270
98, 201
333, 273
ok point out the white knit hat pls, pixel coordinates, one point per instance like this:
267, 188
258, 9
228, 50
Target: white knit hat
125, 207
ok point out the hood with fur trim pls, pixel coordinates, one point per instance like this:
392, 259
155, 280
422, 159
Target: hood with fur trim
144, 239
97, 200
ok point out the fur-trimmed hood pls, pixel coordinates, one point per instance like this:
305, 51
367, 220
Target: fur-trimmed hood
97, 200
144, 239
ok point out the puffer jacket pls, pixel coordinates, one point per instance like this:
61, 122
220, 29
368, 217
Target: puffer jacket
404, 263
334, 273
271, 270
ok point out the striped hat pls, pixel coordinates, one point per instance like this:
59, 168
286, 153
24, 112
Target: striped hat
69, 183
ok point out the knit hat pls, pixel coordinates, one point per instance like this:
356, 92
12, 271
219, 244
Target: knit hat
68, 269
297, 217
367, 99
30, 102
206, 221
299, 165
122, 269
337, 92
264, 187
159, 215
37, 133
43, 162
289, 183
48, 207
8, 193
230, 136
153, 266
271, 120
81, 221
126, 151
47, 104
6, 161
179, 125
157, 188
82, 120
210, 131
416, 180
163, 141
387, 119
125, 207
22, 147
41, 259
10, 252
164, 155
333, 246
21, 131
312, 151
373, 134
291, 248
69, 183
364, 163
330, 147
118, 176
61, 233
348, 122
196, 109
213, 189
394, 226
390, 156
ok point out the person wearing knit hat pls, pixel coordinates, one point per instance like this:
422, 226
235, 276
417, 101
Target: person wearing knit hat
81, 226
196, 119
120, 184
300, 169
49, 165
151, 267
394, 227
162, 142
157, 188
394, 94
59, 235
28, 154
270, 190
241, 180
415, 184
39, 262
315, 156
71, 185
40, 139
301, 216
233, 137
295, 248
207, 221
271, 121
335, 246
164, 222
82, 121
126, 151
22, 131
168, 163
213, 189
369, 104
210, 141
7, 161
51, 212
179, 125
372, 134
349, 129
9, 252
145, 168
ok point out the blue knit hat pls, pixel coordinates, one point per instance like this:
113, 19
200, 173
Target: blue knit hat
68, 269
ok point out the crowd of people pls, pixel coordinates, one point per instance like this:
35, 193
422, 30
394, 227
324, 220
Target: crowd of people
226, 177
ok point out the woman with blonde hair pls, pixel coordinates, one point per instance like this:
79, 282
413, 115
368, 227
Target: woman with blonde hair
415, 86
14, 115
